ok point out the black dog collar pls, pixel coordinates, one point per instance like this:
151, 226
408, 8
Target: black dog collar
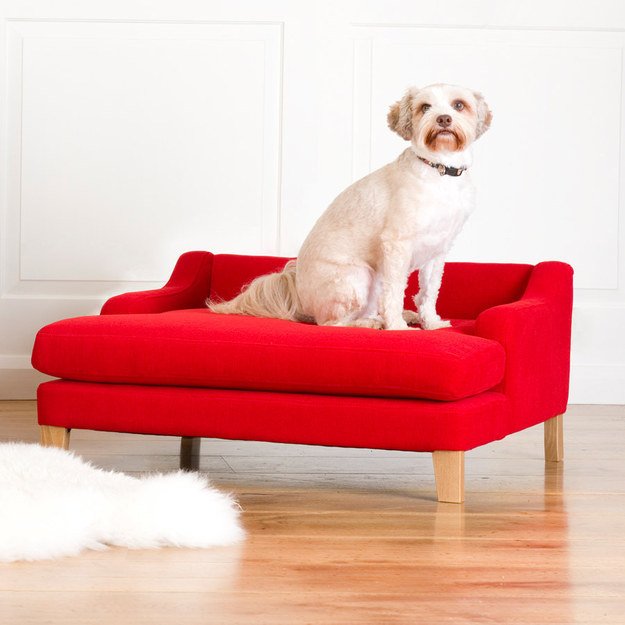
443, 170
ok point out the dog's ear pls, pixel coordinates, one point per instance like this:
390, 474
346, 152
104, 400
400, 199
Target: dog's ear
400, 116
484, 115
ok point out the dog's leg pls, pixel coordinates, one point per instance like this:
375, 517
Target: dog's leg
411, 317
430, 278
395, 265
337, 295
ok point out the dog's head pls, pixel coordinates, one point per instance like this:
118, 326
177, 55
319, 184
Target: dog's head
440, 118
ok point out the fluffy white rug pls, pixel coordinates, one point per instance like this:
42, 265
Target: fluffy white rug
54, 504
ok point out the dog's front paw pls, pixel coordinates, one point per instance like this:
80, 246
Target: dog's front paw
411, 317
435, 323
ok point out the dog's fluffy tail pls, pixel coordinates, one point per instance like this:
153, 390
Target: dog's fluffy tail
273, 295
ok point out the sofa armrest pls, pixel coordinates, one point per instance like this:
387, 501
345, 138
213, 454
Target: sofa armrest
188, 287
535, 332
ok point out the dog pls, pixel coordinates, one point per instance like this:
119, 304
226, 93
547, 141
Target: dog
353, 268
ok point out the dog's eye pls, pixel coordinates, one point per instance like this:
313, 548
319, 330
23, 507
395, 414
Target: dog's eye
458, 105
425, 107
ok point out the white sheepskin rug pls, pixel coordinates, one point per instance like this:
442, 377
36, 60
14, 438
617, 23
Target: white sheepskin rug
54, 504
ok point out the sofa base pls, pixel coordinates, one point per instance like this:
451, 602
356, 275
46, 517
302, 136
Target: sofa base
190, 453
446, 429
448, 465
51, 436
449, 474
554, 439
330, 420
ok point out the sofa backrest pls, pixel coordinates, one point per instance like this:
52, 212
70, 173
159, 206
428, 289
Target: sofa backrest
232, 272
467, 289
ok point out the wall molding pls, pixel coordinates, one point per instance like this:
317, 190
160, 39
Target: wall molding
18, 380
14, 284
489, 27
597, 384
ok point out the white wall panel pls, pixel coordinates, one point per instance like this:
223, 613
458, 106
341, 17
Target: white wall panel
137, 139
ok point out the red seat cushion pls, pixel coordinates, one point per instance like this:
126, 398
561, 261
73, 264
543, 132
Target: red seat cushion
202, 349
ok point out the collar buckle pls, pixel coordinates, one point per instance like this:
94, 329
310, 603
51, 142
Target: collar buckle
443, 170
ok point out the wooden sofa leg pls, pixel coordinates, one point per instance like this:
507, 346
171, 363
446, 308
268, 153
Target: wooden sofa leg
449, 474
52, 436
554, 439
190, 453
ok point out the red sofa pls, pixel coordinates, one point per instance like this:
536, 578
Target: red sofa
158, 362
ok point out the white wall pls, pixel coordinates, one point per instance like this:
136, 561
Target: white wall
133, 131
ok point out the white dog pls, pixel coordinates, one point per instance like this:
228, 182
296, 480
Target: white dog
353, 267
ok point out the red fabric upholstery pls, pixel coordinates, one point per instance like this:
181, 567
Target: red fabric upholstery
200, 348
231, 272
187, 288
470, 288
467, 289
278, 417
515, 319
536, 334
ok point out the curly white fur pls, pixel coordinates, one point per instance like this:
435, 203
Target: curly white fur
353, 267
53, 504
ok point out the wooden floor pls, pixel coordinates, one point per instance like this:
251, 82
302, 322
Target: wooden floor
340, 536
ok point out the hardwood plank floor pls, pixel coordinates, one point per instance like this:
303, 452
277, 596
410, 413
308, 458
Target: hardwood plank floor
346, 536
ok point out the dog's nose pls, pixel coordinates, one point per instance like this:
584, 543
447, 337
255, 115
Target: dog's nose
444, 120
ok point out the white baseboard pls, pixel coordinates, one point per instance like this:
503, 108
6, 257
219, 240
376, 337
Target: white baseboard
18, 380
590, 384
597, 384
